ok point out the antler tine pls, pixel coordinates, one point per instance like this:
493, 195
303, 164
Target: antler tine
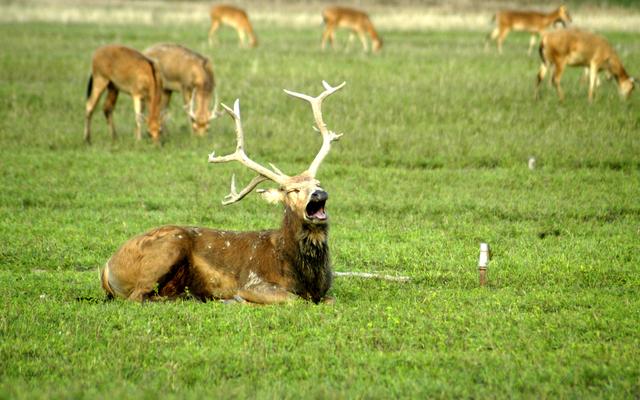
328, 136
240, 156
234, 196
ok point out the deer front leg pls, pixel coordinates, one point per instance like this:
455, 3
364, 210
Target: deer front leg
267, 296
557, 75
138, 108
363, 40
109, 105
328, 35
215, 24
532, 42
502, 35
593, 77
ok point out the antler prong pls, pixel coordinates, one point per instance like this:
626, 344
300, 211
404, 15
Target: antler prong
276, 169
191, 112
234, 196
215, 112
327, 135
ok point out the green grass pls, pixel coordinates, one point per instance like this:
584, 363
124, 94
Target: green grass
437, 134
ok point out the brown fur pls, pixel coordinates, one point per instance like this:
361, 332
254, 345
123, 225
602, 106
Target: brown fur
529, 21
572, 47
356, 21
262, 267
118, 68
235, 18
186, 71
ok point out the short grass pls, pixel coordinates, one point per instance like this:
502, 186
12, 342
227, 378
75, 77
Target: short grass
433, 161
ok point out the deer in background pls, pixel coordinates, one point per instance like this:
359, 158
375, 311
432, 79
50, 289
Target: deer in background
357, 21
272, 266
118, 68
583, 49
235, 18
183, 70
530, 21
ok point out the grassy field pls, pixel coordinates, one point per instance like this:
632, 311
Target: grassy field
433, 161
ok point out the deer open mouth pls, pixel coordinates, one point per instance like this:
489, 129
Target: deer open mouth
315, 210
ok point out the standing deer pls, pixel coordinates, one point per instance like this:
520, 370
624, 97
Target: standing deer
235, 18
272, 266
183, 70
530, 21
118, 68
357, 21
583, 49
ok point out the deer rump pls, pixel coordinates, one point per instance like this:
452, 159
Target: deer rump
272, 266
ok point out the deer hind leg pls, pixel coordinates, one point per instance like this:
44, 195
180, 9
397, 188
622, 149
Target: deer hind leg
215, 24
108, 107
152, 264
97, 86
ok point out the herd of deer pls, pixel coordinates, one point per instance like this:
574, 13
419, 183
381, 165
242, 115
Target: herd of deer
272, 266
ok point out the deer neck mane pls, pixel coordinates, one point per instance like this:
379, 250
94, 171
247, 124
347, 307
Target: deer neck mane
306, 249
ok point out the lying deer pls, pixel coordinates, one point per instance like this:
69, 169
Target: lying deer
183, 70
235, 18
271, 266
357, 21
118, 68
583, 49
530, 21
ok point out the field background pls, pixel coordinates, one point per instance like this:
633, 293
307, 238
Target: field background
437, 134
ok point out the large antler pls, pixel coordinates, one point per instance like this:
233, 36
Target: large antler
239, 155
328, 136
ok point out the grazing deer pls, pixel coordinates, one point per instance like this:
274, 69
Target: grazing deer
271, 266
118, 68
235, 18
583, 49
183, 70
530, 21
357, 21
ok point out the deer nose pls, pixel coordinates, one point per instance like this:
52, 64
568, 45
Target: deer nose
319, 195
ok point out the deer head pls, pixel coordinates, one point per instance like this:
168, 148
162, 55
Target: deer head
302, 194
199, 113
563, 16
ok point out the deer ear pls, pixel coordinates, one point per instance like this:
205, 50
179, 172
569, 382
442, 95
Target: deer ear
273, 196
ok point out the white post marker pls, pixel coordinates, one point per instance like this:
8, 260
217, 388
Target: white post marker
483, 262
